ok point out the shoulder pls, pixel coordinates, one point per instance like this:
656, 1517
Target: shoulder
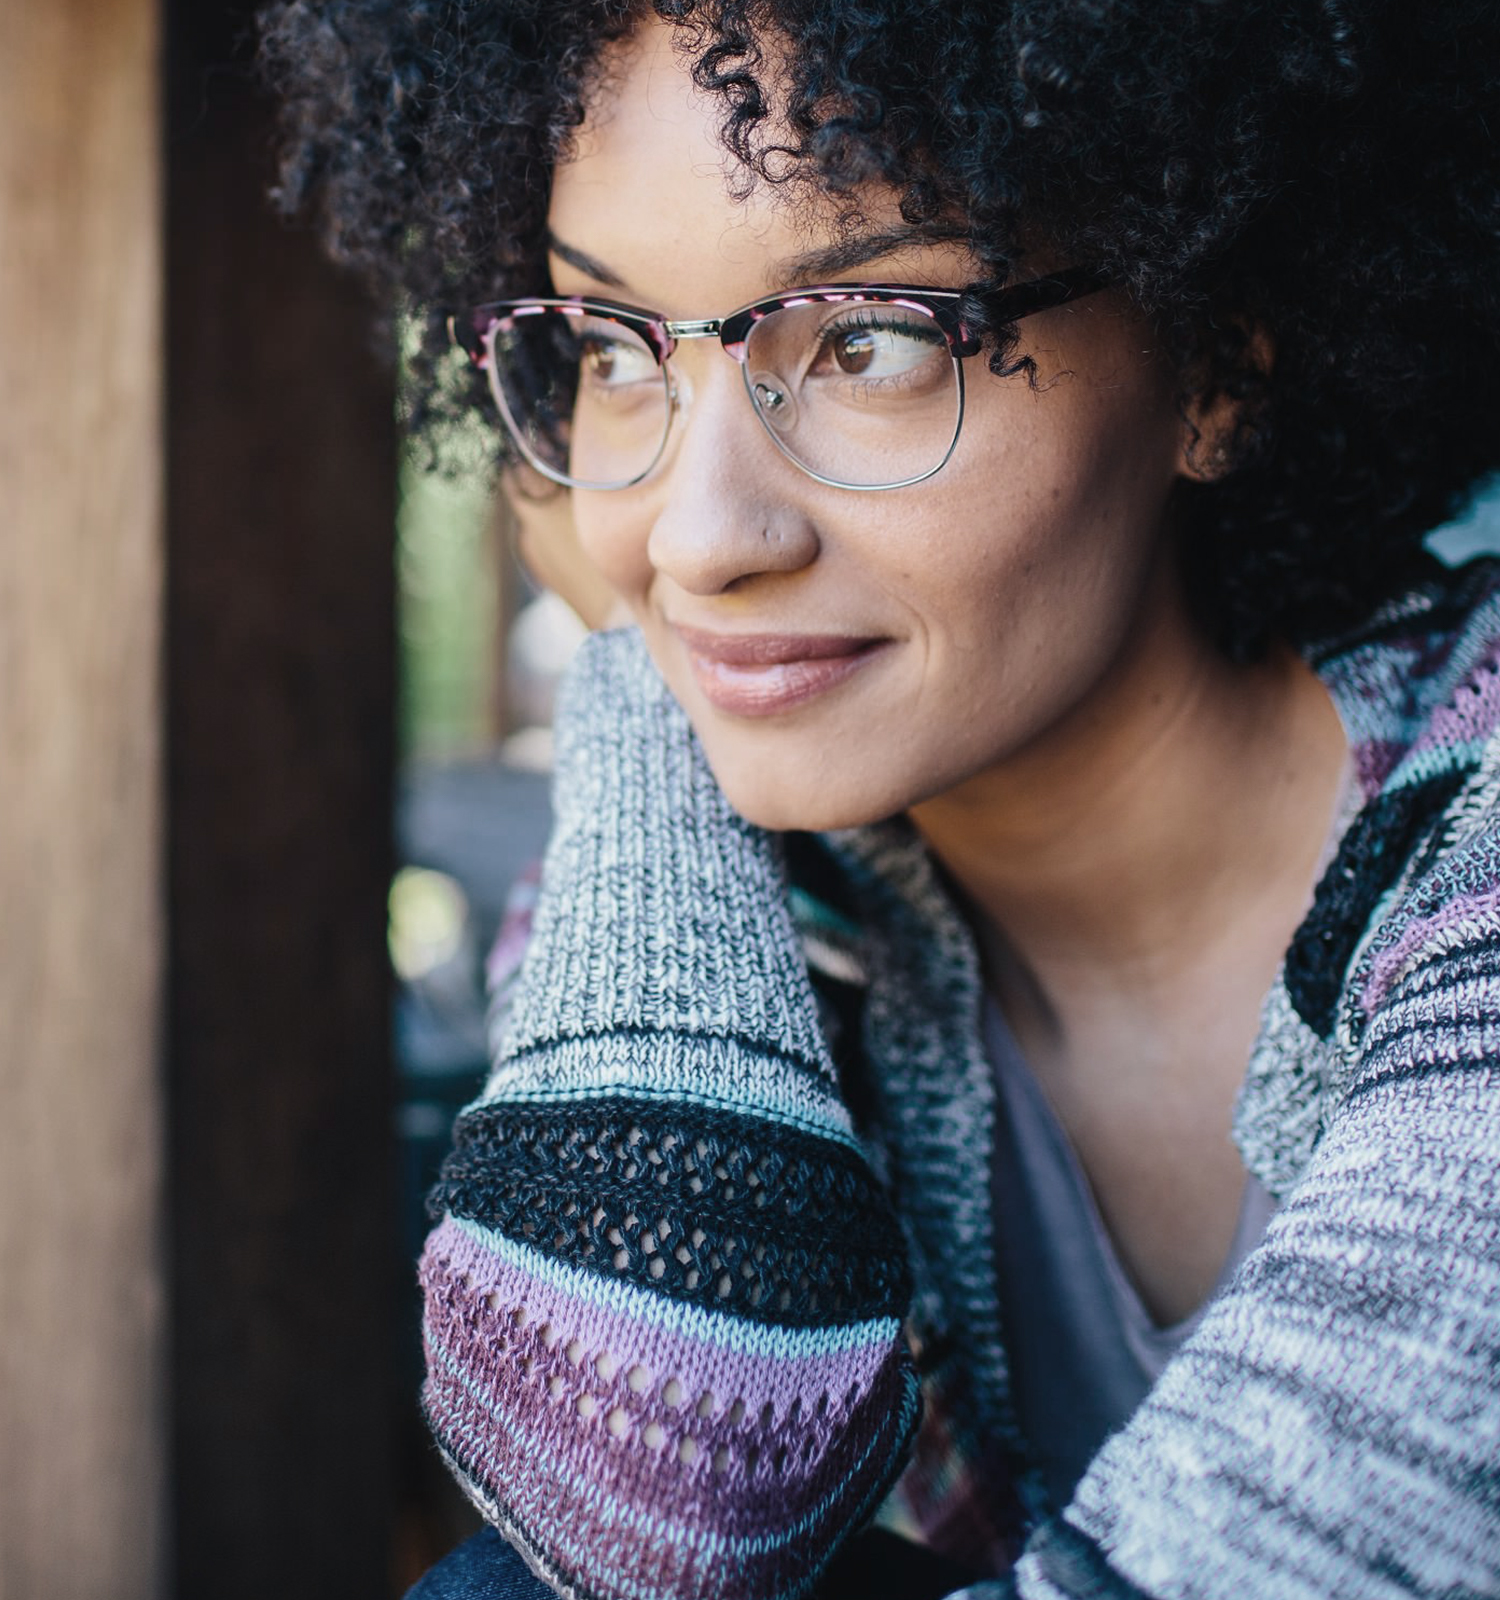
1417, 873
1393, 959
1417, 685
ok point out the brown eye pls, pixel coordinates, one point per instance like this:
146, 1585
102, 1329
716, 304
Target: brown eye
613, 360
854, 350
599, 361
879, 348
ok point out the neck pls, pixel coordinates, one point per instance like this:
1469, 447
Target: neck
1172, 822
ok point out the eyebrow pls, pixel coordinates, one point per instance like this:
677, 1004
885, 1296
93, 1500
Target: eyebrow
585, 263
847, 254
809, 267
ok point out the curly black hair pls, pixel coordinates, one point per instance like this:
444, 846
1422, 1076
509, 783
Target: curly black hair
1313, 178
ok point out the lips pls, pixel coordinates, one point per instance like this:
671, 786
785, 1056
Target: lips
760, 674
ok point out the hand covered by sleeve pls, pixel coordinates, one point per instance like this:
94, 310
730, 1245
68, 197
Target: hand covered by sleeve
663, 1301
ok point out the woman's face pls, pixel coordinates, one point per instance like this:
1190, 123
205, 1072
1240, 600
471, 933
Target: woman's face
844, 656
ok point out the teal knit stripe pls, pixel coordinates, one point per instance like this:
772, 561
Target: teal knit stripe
674, 1318
698, 1069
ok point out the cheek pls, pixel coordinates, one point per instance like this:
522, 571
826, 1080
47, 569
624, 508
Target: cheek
1022, 605
994, 561
613, 535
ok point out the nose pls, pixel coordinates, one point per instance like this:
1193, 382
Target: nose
729, 504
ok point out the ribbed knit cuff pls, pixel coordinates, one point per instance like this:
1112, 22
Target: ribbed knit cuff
662, 915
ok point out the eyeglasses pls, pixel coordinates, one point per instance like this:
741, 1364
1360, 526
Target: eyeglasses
861, 385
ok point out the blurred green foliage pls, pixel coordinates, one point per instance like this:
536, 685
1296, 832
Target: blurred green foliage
447, 613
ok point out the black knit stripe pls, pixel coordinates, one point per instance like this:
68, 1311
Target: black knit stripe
1416, 1071
1076, 1564
1379, 842
715, 1208
1442, 971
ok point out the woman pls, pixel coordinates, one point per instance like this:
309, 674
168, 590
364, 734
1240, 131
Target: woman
1012, 1008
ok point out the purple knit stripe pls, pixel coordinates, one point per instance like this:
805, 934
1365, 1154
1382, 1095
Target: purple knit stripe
522, 1367
811, 1382
1374, 761
703, 1477
620, 1541
601, 1474
1479, 908
1470, 716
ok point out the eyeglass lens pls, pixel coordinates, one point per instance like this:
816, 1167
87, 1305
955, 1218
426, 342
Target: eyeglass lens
864, 395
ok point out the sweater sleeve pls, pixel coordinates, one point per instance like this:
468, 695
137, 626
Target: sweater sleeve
1333, 1428
663, 1299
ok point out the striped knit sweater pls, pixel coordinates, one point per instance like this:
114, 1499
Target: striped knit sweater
664, 1307
663, 1298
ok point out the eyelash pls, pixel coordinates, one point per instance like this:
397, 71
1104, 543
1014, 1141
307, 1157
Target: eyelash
870, 317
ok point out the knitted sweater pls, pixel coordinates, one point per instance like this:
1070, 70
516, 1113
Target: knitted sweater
1332, 1428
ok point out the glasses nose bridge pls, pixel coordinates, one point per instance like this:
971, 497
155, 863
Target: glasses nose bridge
700, 328
679, 383
693, 328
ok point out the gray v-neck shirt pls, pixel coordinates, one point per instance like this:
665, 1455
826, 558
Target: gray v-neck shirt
1082, 1347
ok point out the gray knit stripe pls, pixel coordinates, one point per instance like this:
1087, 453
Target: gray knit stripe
1278, 1113
673, 929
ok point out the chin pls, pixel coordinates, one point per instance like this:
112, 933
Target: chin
813, 805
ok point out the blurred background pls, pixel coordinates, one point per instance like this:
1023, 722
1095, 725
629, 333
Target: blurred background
274, 710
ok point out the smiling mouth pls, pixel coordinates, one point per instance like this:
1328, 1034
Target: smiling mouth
760, 674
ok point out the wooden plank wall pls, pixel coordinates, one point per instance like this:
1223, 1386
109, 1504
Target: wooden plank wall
81, 1313
281, 486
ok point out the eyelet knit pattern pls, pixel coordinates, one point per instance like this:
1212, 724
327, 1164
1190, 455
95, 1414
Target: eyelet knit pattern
696, 1204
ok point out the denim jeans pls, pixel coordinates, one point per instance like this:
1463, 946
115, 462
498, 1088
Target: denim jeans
482, 1568
874, 1566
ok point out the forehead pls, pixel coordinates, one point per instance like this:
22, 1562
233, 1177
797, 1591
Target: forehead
650, 193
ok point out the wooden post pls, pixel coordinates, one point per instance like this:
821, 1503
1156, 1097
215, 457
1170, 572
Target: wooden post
81, 1432
280, 672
